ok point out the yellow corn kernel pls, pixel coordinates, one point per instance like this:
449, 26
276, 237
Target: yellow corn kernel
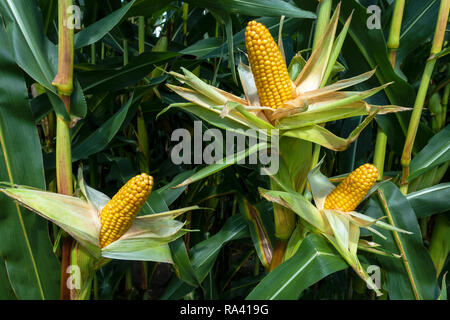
119, 213
268, 67
350, 192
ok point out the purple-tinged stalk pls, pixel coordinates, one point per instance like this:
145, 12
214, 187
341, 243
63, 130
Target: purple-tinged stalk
63, 82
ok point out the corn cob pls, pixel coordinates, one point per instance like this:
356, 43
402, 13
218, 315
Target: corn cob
119, 213
268, 67
350, 192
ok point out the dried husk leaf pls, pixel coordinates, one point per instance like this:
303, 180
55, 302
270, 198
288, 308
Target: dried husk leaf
312, 73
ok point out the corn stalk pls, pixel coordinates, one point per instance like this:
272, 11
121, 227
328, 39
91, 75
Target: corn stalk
393, 43
141, 127
307, 157
63, 81
438, 39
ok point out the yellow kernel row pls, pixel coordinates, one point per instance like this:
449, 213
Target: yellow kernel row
268, 67
352, 190
119, 213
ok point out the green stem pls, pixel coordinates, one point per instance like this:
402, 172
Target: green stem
141, 34
142, 133
143, 141
63, 157
414, 124
393, 43
421, 94
63, 82
323, 18
185, 19
394, 32
102, 55
93, 57
380, 152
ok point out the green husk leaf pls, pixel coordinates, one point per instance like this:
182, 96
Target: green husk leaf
335, 51
296, 66
196, 83
212, 116
377, 222
299, 205
321, 187
75, 216
325, 138
138, 250
340, 225
96, 198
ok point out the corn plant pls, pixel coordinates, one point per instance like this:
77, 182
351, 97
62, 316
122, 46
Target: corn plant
120, 177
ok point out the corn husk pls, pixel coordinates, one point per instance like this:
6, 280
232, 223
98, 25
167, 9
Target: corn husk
315, 103
342, 229
146, 240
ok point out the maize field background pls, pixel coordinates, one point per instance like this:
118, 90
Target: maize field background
91, 92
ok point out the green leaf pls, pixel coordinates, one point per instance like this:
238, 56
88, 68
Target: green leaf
229, 33
364, 50
443, 295
313, 261
100, 28
6, 291
372, 46
436, 152
138, 250
100, 138
114, 79
413, 276
35, 54
147, 8
211, 116
225, 162
202, 47
25, 248
416, 26
182, 262
29, 46
440, 242
267, 8
204, 254
272, 24
430, 201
